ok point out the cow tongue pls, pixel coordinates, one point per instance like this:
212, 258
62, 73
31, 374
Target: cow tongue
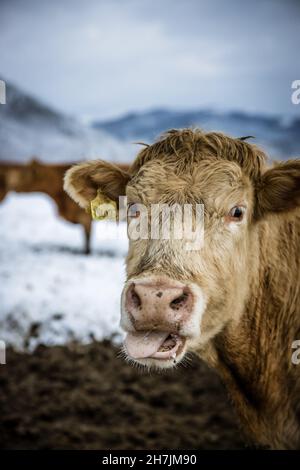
144, 344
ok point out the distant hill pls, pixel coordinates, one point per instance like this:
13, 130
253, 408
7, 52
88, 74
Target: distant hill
30, 128
280, 139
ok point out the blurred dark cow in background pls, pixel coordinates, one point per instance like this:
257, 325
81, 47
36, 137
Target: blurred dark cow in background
47, 178
236, 301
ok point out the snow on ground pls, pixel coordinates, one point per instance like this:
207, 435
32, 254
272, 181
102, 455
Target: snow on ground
50, 292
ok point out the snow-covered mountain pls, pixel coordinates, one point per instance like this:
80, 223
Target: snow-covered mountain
281, 139
30, 128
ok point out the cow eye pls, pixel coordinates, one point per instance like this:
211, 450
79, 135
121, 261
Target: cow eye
236, 214
133, 212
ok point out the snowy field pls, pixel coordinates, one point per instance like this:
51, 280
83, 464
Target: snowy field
50, 293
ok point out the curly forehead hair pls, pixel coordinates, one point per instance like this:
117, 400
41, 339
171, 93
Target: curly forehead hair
187, 146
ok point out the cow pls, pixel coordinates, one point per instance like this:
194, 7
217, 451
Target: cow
235, 301
47, 178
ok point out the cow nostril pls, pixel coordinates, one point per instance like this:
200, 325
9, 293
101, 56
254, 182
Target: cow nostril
135, 298
177, 303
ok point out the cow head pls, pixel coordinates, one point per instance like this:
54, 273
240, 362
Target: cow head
177, 300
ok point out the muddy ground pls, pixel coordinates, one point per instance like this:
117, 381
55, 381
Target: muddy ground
86, 397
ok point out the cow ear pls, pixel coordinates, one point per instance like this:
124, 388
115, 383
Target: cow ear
83, 180
279, 188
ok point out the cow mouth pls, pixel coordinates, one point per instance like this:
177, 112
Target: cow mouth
154, 344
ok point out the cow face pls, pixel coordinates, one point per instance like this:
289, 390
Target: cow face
176, 299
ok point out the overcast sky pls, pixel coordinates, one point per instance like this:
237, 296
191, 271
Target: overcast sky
101, 58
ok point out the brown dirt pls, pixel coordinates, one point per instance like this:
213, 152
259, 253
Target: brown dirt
85, 397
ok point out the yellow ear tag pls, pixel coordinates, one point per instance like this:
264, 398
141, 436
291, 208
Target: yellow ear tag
103, 208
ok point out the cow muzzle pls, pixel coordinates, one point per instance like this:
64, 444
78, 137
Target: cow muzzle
160, 316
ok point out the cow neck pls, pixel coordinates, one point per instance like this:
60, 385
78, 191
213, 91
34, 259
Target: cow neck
253, 355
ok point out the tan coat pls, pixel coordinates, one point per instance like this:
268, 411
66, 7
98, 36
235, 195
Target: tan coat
249, 272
